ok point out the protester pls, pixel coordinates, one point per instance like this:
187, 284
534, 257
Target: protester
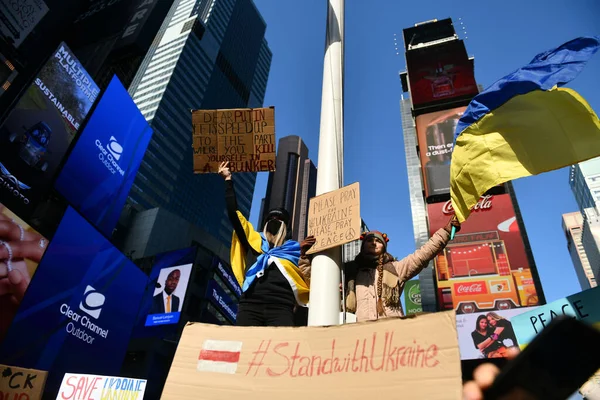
484, 376
375, 279
278, 278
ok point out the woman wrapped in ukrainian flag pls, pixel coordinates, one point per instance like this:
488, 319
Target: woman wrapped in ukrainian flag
272, 269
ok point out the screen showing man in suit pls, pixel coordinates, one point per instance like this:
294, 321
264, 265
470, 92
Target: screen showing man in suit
169, 295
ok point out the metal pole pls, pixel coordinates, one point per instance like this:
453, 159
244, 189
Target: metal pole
324, 305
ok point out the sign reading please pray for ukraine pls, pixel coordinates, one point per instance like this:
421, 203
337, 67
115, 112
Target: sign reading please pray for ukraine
96, 387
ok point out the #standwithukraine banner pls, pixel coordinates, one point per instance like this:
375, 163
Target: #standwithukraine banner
524, 125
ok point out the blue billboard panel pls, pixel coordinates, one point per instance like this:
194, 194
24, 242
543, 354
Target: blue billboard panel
228, 277
79, 310
169, 294
221, 300
100, 170
39, 130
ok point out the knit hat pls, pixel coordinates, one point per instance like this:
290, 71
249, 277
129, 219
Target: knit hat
280, 214
378, 235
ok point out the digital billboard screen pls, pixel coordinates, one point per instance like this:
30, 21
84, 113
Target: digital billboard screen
100, 170
222, 301
485, 267
439, 73
79, 310
435, 133
169, 295
27, 248
227, 276
412, 297
475, 329
39, 130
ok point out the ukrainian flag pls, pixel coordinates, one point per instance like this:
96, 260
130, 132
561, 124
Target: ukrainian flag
524, 125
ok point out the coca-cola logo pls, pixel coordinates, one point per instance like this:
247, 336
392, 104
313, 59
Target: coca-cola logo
484, 203
470, 288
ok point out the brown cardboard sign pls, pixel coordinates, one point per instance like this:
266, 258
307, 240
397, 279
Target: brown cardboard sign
412, 358
21, 383
243, 136
334, 218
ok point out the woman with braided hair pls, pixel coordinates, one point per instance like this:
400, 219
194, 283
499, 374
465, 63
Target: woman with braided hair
375, 279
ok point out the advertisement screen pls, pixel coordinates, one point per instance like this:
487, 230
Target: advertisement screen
412, 297
169, 295
39, 130
79, 310
435, 133
485, 267
475, 329
227, 275
98, 175
221, 300
18, 18
439, 73
19, 237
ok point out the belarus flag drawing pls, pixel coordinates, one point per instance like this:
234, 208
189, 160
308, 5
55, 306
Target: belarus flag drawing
220, 356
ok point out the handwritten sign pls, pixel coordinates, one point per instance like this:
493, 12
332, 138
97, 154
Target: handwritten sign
584, 306
245, 137
96, 387
334, 218
224, 362
21, 383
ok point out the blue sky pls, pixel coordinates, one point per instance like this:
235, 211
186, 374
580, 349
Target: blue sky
502, 36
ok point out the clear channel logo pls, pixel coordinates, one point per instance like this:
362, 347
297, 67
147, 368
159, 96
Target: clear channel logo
110, 154
91, 304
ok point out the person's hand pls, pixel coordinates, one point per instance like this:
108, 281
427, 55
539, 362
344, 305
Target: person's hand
483, 377
307, 244
224, 170
452, 223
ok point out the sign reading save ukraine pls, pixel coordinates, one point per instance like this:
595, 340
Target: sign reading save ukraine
584, 306
96, 387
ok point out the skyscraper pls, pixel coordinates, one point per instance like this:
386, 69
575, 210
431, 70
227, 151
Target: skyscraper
208, 54
292, 184
585, 183
572, 224
489, 265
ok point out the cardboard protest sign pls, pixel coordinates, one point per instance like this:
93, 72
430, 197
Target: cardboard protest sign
96, 387
584, 306
21, 383
334, 218
245, 137
417, 357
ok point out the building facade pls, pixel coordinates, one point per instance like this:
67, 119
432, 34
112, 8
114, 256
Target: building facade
572, 225
585, 184
292, 185
208, 54
489, 265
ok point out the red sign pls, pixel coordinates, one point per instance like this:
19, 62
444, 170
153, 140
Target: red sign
488, 248
440, 73
470, 288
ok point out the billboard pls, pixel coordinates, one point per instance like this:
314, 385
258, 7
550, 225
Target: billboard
100, 170
80, 307
475, 329
18, 18
221, 300
412, 297
228, 277
439, 73
485, 267
28, 247
169, 295
39, 130
435, 133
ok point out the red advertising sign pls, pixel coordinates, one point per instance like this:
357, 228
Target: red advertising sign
435, 133
485, 267
439, 73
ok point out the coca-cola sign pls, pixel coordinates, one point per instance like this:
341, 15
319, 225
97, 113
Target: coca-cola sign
484, 203
470, 288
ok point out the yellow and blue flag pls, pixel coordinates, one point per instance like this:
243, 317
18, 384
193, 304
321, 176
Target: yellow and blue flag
524, 125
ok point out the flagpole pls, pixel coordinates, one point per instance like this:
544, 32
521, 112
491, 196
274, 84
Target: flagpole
324, 305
